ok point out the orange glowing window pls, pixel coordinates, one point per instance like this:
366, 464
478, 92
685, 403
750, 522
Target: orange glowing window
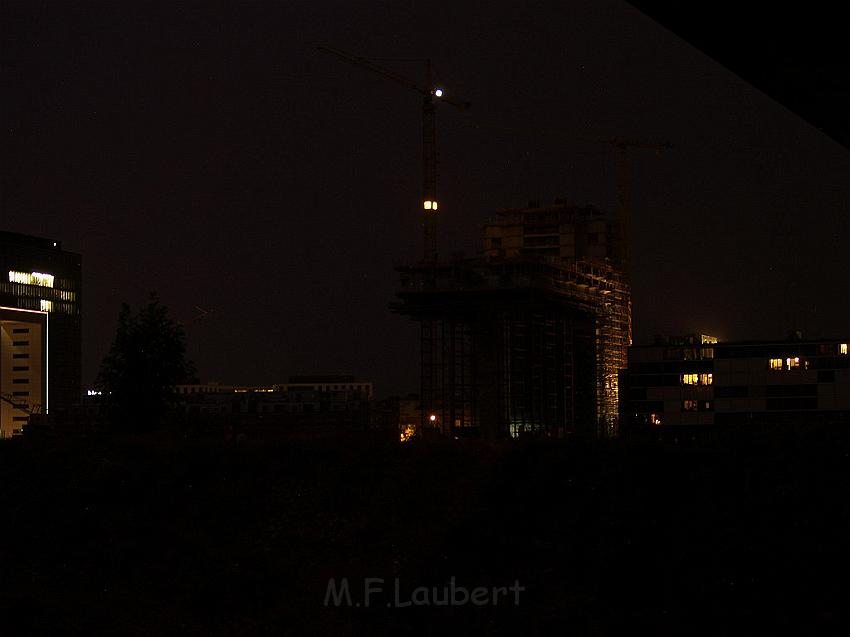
690, 379
775, 363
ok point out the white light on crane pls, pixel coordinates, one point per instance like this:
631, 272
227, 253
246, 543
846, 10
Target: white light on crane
438, 92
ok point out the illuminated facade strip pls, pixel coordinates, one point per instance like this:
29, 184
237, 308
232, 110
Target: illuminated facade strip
19, 309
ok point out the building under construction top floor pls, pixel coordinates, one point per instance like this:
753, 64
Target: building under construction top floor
528, 338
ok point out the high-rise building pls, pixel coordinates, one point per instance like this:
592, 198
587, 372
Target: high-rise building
528, 338
40, 291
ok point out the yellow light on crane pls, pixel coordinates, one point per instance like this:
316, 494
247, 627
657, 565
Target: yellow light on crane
429, 205
432, 418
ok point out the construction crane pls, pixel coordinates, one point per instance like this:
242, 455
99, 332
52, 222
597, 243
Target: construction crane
624, 180
429, 91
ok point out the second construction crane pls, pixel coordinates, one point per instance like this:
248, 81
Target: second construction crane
624, 181
429, 91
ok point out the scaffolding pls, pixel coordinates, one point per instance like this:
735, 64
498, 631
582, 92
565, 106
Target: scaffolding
526, 345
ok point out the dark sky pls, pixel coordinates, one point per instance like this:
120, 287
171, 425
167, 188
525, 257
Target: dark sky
209, 152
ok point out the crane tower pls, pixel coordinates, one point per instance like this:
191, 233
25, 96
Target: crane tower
431, 93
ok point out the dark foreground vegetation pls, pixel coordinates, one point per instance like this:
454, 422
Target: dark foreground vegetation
164, 533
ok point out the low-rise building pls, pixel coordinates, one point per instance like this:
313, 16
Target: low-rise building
302, 400
696, 380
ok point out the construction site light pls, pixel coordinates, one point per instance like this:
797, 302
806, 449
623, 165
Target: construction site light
438, 92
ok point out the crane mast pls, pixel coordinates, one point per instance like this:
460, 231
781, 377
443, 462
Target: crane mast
430, 201
429, 170
624, 181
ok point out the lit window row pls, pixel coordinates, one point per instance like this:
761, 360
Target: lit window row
31, 278
24, 290
429, 205
706, 378
780, 364
697, 405
44, 305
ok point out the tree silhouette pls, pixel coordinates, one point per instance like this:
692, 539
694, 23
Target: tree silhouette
146, 360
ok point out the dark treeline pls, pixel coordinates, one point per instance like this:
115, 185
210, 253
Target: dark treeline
160, 533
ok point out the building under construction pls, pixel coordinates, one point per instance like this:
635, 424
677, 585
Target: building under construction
529, 337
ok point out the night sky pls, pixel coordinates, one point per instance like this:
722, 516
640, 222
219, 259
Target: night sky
211, 153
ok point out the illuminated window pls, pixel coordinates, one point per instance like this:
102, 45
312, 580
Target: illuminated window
46, 306
706, 378
775, 363
793, 363
842, 349
429, 205
655, 419
689, 405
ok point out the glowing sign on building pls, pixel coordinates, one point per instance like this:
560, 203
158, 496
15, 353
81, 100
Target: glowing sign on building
31, 278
